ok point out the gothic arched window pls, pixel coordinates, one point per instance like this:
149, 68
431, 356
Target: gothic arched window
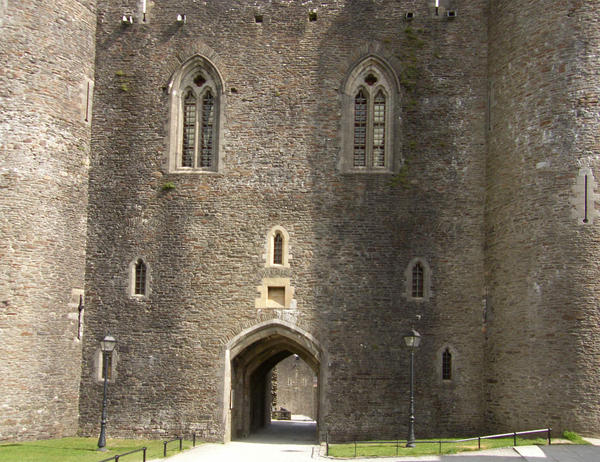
446, 365
278, 248
140, 278
196, 109
368, 133
417, 281
139, 283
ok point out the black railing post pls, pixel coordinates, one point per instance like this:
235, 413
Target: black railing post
164, 449
515, 438
180, 443
194, 439
549, 437
327, 443
479, 442
144, 455
116, 458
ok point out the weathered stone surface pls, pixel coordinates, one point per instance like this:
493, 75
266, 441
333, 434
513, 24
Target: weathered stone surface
543, 331
351, 235
46, 59
297, 387
496, 127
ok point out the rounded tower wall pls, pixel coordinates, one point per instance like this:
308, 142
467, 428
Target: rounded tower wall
542, 319
46, 83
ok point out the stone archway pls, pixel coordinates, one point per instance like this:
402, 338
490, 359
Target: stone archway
249, 358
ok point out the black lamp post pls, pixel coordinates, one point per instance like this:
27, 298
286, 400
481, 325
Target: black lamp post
412, 340
108, 344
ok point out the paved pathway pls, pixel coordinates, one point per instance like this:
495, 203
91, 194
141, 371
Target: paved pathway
294, 441
282, 441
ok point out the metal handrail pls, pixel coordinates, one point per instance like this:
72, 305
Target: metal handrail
116, 458
440, 442
177, 438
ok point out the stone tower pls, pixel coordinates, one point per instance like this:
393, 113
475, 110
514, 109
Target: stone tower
272, 178
542, 229
374, 241
46, 79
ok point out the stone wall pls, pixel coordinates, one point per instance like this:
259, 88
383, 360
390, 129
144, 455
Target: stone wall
495, 135
351, 235
543, 335
297, 387
46, 62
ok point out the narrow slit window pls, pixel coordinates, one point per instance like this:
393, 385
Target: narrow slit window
379, 130
417, 281
208, 115
140, 278
87, 102
446, 365
106, 365
278, 249
360, 129
189, 130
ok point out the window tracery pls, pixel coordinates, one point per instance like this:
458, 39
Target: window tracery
196, 109
367, 127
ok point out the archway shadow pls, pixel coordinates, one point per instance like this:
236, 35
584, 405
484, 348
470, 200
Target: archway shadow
301, 432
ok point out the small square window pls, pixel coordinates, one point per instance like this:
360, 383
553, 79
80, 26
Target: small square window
276, 297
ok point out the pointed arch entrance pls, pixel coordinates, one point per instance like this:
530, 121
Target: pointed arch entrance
249, 359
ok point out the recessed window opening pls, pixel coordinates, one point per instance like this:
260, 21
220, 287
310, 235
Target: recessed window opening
198, 119
370, 80
258, 18
278, 249
585, 200
369, 102
87, 102
446, 365
417, 281
199, 80
140, 278
312, 15
369, 127
195, 92
276, 296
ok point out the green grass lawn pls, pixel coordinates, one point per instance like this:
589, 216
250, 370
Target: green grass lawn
374, 448
84, 450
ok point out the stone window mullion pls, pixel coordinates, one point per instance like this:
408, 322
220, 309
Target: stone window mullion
190, 129
369, 151
198, 151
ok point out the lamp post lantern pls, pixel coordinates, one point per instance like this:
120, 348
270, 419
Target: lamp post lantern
412, 340
107, 344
